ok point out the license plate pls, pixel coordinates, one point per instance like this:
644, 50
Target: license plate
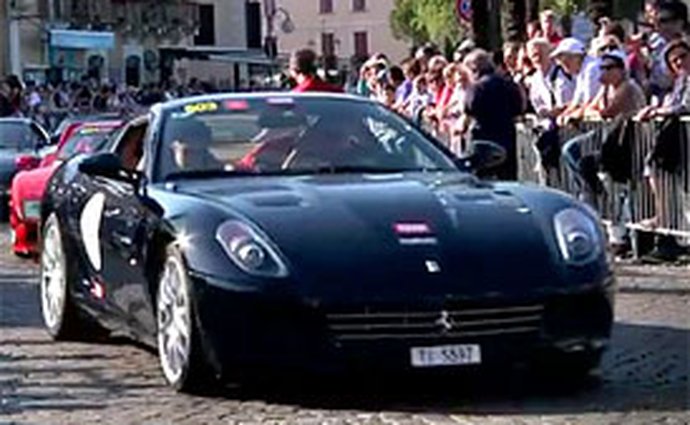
446, 355
32, 209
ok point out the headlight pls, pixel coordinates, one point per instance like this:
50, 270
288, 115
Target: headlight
579, 239
250, 250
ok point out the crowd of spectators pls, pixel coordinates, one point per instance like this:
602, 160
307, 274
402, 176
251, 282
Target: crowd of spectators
626, 71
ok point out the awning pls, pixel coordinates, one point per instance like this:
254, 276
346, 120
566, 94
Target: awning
72, 39
218, 54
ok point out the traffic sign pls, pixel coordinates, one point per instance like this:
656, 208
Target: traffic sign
463, 10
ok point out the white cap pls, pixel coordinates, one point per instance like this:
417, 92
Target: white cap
571, 46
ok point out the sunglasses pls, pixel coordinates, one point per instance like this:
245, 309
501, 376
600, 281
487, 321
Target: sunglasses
608, 67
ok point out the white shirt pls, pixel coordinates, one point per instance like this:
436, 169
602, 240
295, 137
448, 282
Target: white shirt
540, 94
587, 84
551, 90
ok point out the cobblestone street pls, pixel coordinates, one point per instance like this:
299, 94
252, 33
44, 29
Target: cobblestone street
644, 379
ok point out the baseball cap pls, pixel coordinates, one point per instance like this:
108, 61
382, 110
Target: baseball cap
571, 46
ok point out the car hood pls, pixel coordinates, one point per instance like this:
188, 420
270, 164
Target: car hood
348, 233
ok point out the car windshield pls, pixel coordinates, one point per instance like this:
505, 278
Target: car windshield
86, 140
284, 135
16, 135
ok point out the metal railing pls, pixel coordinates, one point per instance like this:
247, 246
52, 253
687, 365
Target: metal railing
656, 202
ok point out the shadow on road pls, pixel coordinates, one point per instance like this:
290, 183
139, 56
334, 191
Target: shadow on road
646, 369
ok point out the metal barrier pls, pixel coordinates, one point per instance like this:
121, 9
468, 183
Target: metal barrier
661, 208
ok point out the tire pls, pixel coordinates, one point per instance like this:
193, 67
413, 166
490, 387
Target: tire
182, 355
62, 318
569, 370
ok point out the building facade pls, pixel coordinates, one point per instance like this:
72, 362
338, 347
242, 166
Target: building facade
121, 41
345, 29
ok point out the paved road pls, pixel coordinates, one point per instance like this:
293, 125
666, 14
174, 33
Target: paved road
644, 379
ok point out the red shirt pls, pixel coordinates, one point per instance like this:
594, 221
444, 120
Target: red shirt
315, 84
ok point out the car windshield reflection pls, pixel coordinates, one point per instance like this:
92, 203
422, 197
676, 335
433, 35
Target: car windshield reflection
286, 136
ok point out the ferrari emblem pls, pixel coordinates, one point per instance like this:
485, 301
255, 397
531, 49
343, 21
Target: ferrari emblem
444, 322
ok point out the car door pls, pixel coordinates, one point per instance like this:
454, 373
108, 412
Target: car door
123, 233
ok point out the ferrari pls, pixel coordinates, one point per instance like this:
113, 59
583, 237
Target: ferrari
28, 186
245, 234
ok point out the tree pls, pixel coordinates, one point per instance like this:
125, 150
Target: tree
516, 20
486, 23
405, 23
420, 21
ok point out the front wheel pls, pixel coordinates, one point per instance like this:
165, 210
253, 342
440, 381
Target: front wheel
60, 315
181, 354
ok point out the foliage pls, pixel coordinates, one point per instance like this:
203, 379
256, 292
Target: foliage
425, 20
564, 7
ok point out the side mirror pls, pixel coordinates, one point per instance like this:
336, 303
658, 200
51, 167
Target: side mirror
483, 156
108, 165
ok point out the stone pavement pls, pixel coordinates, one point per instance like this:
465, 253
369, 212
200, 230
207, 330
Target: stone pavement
644, 379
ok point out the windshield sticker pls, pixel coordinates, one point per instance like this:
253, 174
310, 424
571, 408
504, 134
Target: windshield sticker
201, 107
285, 101
236, 105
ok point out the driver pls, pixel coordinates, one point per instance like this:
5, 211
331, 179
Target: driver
191, 142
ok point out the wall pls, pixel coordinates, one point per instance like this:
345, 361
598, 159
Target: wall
343, 22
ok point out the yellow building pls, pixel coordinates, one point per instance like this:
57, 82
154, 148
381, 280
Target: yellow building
344, 28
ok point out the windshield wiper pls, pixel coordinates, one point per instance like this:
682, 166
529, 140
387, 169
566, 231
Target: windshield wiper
201, 174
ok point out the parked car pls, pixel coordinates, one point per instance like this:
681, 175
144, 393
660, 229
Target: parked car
20, 143
28, 186
249, 233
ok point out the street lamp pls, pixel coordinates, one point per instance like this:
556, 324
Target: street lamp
287, 26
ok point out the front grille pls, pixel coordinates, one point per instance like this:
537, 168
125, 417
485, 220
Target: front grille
371, 324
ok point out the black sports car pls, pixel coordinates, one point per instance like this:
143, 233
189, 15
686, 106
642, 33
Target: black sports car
246, 233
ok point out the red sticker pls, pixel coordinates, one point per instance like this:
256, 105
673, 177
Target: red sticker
412, 229
236, 105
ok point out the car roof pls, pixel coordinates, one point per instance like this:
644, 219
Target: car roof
176, 103
15, 120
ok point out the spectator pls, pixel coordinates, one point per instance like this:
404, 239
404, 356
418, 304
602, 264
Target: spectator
669, 19
411, 69
620, 96
549, 27
463, 50
572, 57
678, 101
303, 71
534, 30
419, 99
550, 89
637, 60
5, 106
494, 103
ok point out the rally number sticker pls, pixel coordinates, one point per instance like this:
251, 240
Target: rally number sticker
200, 108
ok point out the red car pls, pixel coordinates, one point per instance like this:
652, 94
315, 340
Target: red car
28, 186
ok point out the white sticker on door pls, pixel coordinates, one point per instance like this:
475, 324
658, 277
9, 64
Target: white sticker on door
90, 226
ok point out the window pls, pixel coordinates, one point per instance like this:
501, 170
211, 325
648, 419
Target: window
326, 6
207, 27
327, 44
359, 5
361, 44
